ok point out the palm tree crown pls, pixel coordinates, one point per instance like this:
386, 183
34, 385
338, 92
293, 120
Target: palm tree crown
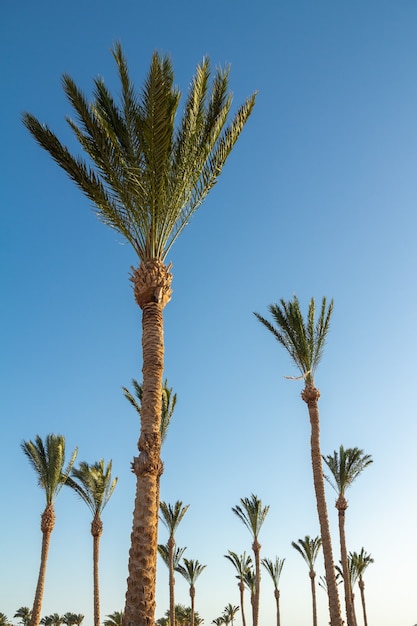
93, 484
345, 466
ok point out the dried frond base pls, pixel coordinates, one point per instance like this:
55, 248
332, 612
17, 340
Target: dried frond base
152, 283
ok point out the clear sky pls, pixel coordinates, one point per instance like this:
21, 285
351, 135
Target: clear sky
318, 198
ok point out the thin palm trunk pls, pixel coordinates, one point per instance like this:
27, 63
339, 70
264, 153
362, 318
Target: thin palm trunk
171, 544
256, 551
313, 595
277, 594
341, 505
362, 588
192, 596
47, 526
311, 395
141, 582
96, 531
242, 593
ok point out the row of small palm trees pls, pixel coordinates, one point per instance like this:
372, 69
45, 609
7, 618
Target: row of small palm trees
24, 615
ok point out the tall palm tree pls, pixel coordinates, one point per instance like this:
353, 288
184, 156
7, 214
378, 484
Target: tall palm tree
252, 513
95, 486
147, 175
114, 619
304, 340
171, 516
229, 613
360, 562
24, 614
191, 570
242, 564
345, 466
48, 460
274, 569
309, 549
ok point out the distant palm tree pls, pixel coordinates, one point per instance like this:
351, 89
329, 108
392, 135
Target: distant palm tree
114, 619
24, 614
47, 620
147, 175
47, 459
250, 582
353, 577
229, 613
252, 513
309, 549
191, 570
164, 553
4, 620
169, 400
242, 564
274, 569
360, 563
304, 340
79, 619
56, 619
95, 486
218, 621
345, 466
171, 516
70, 619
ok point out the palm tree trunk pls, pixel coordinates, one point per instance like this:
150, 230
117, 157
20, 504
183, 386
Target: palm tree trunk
276, 593
362, 588
96, 531
242, 608
341, 506
47, 526
141, 582
256, 547
313, 595
192, 596
310, 395
171, 545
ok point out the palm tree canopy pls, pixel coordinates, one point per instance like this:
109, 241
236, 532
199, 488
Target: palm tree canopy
191, 570
303, 339
169, 400
48, 459
274, 568
145, 174
163, 551
172, 515
114, 619
309, 549
360, 561
242, 563
345, 466
252, 514
94, 484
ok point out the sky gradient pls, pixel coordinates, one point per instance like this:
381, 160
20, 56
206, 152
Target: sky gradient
319, 199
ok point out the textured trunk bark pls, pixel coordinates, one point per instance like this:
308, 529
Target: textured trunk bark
362, 588
47, 526
242, 590
171, 546
192, 596
313, 595
341, 506
256, 546
96, 531
311, 395
141, 582
277, 594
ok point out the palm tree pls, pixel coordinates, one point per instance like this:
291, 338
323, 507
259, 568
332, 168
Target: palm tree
274, 569
47, 459
171, 517
69, 619
353, 577
309, 549
345, 466
250, 582
114, 619
4, 620
191, 570
56, 619
253, 515
95, 486
229, 613
218, 621
79, 619
24, 614
360, 562
242, 564
147, 176
47, 620
304, 341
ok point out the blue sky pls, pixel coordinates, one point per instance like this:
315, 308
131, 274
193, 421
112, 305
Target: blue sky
318, 198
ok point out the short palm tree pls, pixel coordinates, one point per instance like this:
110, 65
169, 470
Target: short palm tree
309, 549
242, 564
47, 620
304, 340
252, 513
345, 466
48, 460
274, 569
146, 176
191, 570
218, 620
95, 486
56, 619
114, 619
79, 617
229, 613
69, 619
360, 563
24, 614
